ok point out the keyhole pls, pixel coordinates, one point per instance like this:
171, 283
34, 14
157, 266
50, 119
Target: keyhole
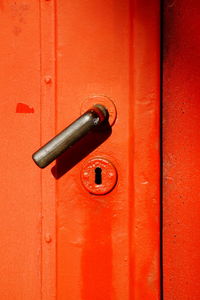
98, 175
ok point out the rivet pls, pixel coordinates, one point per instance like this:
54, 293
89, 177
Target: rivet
48, 238
47, 79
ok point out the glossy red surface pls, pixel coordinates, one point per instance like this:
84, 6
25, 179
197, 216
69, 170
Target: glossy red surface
58, 241
108, 245
98, 176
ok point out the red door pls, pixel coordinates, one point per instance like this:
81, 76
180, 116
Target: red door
60, 241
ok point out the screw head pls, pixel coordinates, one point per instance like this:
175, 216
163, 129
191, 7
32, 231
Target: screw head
47, 79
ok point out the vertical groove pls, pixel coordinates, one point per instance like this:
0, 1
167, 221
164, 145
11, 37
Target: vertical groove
131, 152
161, 147
55, 128
47, 127
41, 248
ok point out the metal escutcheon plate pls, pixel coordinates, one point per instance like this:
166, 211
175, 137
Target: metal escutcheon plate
99, 176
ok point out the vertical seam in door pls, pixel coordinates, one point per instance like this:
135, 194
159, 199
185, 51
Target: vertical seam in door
40, 28
48, 184
131, 153
55, 126
161, 147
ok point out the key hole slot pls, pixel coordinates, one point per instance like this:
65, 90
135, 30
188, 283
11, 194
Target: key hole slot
98, 175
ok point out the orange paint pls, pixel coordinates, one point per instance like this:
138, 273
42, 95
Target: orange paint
96, 261
58, 240
108, 245
20, 203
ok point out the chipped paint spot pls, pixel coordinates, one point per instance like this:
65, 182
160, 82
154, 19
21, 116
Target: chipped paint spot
172, 3
24, 108
78, 243
168, 178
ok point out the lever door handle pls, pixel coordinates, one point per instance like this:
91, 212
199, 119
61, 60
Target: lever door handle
70, 135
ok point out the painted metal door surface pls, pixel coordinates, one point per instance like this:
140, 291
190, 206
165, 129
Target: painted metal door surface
59, 241
181, 138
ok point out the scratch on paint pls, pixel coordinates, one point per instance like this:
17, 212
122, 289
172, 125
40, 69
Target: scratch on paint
145, 182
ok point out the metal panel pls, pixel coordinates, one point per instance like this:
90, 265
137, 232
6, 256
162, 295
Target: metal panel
27, 206
181, 135
20, 205
108, 246
54, 55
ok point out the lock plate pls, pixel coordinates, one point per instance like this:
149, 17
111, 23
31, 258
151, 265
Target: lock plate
104, 101
99, 176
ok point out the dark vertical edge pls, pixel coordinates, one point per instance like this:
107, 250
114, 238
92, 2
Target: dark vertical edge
162, 5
